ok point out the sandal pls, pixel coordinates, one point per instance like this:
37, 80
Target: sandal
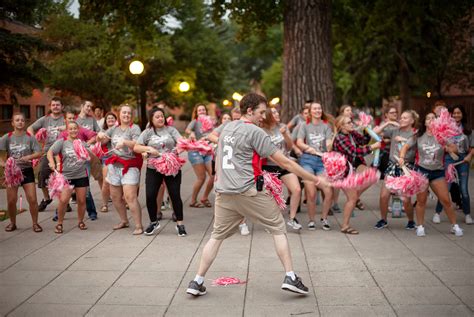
11, 227
121, 225
360, 205
58, 229
196, 205
37, 228
206, 203
104, 209
349, 230
137, 231
81, 225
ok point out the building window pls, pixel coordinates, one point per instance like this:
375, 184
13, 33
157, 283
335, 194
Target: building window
40, 111
25, 109
6, 112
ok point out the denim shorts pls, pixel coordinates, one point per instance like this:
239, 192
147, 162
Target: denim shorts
431, 175
115, 177
195, 157
312, 163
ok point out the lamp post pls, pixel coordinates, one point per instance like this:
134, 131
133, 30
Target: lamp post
184, 86
136, 68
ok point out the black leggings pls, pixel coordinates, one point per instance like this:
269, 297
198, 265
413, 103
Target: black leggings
153, 183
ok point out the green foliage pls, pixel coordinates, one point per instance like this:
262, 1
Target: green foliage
272, 79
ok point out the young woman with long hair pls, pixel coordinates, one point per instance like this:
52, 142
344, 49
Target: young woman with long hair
110, 119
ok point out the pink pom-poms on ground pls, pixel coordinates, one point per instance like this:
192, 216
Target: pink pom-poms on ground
13, 175
225, 280
407, 185
274, 186
356, 180
335, 165
206, 123
168, 163
80, 150
189, 145
41, 135
57, 183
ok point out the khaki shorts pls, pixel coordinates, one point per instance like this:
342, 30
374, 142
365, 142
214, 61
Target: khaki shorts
258, 207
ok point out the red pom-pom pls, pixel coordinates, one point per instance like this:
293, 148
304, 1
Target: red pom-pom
168, 163
97, 150
206, 123
364, 119
452, 174
274, 186
188, 145
444, 128
80, 150
57, 183
13, 175
170, 121
335, 165
363, 179
224, 281
41, 135
407, 185
35, 162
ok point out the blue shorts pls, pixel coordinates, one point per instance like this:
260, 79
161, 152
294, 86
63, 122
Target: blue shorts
312, 163
431, 175
195, 157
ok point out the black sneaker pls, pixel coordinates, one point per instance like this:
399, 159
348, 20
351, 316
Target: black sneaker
181, 230
43, 204
152, 228
295, 285
381, 224
410, 225
196, 289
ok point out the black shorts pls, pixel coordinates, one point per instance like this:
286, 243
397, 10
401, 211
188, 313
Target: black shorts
28, 176
79, 182
275, 169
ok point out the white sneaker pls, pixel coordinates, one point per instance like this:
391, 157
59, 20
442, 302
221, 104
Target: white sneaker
468, 220
311, 225
293, 224
420, 231
244, 229
436, 218
456, 230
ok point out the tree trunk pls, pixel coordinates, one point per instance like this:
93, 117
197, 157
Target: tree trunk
307, 56
404, 84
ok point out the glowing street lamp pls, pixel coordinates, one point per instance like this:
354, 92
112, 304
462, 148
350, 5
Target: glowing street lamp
236, 96
226, 103
183, 86
275, 101
136, 67
428, 94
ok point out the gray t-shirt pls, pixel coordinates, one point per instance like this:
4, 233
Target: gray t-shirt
88, 123
52, 126
395, 146
296, 120
240, 145
278, 140
315, 135
19, 146
430, 153
117, 135
463, 143
196, 127
72, 168
296, 130
163, 140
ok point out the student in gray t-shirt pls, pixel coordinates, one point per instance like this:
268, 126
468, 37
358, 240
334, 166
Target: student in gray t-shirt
74, 170
86, 117
241, 145
430, 163
154, 141
23, 147
54, 123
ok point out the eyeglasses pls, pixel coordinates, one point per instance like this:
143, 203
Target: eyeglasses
392, 112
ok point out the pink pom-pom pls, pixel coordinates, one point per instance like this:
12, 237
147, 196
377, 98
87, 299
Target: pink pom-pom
41, 135
224, 281
206, 123
13, 175
364, 119
363, 179
168, 163
35, 162
452, 174
407, 185
80, 150
273, 185
57, 183
444, 128
189, 145
335, 165
170, 121
97, 150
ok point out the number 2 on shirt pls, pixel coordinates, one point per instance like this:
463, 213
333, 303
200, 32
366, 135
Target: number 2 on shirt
226, 163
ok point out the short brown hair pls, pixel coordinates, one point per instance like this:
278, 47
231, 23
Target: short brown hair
252, 101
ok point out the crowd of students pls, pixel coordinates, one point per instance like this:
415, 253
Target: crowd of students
407, 141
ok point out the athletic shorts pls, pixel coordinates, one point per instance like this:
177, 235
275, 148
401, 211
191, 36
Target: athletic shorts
312, 163
259, 207
28, 175
431, 175
195, 157
44, 172
115, 177
79, 182
275, 169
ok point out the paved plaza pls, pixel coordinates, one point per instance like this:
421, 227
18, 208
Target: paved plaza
101, 272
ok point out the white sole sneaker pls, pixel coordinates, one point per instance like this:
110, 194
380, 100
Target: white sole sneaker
436, 218
420, 232
291, 288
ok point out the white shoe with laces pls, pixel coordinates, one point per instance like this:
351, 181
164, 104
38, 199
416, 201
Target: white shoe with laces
468, 219
457, 231
436, 218
244, 229
420, 231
